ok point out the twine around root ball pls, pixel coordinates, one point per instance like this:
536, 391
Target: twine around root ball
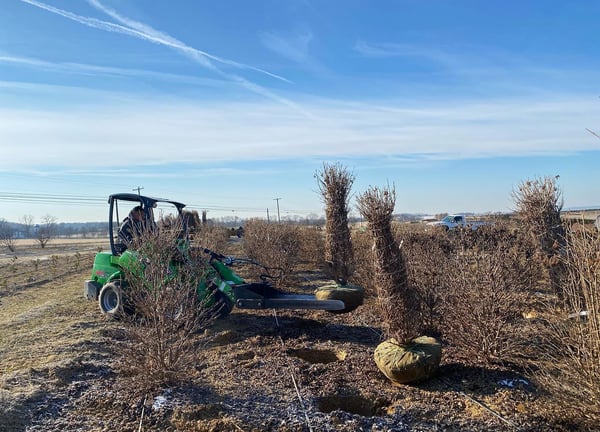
352, 295
411, 362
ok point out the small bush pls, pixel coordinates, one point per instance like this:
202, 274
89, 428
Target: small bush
7, 236
488, 280
364, 261
312, 245
570, 365
429, 256
160, 345
212, 237
275, 245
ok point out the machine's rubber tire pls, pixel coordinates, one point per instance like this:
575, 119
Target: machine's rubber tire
351, 295
222, 306
110, 300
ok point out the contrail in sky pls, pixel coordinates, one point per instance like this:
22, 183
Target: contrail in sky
175, 43
144, 32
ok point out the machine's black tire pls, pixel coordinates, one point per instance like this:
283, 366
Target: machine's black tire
222, 306
111, 301
351, 295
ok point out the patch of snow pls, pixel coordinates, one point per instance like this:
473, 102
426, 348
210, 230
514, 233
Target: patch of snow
159, 402
512, 383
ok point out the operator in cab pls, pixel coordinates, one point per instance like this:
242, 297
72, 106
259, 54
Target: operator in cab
132, 226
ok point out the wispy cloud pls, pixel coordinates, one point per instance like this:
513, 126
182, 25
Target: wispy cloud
160, 133
482, 67
384, 49
294, 47
147, 33
170, 41
88, 69
485, 66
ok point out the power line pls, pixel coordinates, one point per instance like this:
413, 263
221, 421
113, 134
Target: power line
91, 200
51, 199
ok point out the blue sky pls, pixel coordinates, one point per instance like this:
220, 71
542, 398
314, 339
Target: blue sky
229, 105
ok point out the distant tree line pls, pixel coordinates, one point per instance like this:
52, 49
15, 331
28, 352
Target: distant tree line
47, 229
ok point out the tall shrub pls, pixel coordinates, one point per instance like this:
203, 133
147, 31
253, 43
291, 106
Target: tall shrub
335, 183
570, 366
397, 301
538, 204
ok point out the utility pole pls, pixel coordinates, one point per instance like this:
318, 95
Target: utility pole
278, 218
268, 220
138, 189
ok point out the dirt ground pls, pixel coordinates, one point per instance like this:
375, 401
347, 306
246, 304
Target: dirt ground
260, 370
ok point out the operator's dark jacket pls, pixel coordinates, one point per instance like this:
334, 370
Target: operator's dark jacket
129, 229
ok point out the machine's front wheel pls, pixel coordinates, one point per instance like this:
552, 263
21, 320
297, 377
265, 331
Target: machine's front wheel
110, 300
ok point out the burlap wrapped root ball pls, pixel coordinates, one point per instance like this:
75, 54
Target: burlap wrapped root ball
410, 362
351, 295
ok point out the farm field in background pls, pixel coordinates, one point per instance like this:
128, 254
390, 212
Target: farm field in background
29, 249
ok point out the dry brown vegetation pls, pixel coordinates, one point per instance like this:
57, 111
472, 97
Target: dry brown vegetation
512, 357
276, 246
335, 184
396, 298
569, 363
538, 204
162, 314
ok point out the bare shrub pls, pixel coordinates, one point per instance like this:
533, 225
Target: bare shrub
276, 246
211, 237
364, 266
538, 204
335, 183
312, 245
7, 235
46, 231
487, 282
570, 365
429, 256
160, 345
523, 254
396, 300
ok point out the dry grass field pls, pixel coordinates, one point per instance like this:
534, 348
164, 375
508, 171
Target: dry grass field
29, 249
259, 370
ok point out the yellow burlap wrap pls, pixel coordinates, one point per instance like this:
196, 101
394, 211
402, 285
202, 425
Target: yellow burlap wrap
405, 363
351, 295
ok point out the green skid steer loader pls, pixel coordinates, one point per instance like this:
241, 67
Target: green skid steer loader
108, 285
